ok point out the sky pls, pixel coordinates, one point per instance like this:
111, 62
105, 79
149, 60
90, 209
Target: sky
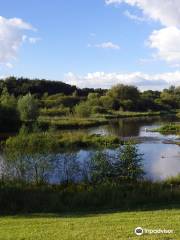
92, 43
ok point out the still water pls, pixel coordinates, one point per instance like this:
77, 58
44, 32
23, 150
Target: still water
161, 153
161, 160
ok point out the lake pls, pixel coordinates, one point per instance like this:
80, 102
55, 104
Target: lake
161, 157
161, 154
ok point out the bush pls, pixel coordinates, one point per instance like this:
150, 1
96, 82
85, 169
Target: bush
19, 197
98, 109
28, 108
83, 109
55, 111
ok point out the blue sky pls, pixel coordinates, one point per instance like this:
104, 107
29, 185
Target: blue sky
90, 42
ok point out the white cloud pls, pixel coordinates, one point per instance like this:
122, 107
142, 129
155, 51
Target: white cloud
106, 45
34, 40
9, 65
139, 79
166, 40
165, 11
167, 43
134, 17
11, 38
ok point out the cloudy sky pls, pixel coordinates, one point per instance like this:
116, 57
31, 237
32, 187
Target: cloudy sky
92, 43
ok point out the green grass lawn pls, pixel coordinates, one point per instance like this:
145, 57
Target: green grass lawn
111, 226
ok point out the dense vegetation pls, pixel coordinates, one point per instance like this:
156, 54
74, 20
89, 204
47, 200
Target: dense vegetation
58, 105
33, 198
102, 181
42, 164
22, 86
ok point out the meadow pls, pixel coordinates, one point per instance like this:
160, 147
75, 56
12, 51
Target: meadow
101, 226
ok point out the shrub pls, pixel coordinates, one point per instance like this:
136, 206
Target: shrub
98, 109
83, 109
28, 108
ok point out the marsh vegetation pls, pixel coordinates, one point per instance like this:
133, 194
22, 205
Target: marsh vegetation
83, 149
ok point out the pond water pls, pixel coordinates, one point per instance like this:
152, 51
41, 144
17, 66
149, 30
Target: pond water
161, 154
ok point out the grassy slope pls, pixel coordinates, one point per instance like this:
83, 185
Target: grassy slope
90, 227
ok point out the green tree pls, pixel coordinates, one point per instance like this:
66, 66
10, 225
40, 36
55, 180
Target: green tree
7, 100
127, 105
101, 168
30, 157
107, 102
28, 108
83, 109
124, 92
93, 99
129, 165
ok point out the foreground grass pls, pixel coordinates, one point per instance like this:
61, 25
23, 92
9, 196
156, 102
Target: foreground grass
113, 226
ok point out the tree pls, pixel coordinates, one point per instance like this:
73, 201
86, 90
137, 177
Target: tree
169, 98
127, 105
83, 109
101, 168
28, 108
107, 102
9, 116
93, 99
129, 165
7, 100
30, 157
124, 92
68, 167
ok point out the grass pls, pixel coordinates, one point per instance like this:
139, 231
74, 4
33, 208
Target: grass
107, 226
122, 114
178, 114
66, 141
71, 121
173, 128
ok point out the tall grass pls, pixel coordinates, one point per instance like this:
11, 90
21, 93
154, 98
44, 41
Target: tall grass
21, 198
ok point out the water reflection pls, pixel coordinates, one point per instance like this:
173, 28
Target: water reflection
131, 127
160, 160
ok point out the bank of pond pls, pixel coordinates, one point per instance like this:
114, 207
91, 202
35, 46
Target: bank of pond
37, 175
171, 128
19, 198
95, 169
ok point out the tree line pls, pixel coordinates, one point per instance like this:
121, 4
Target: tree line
22, 86
23, 100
